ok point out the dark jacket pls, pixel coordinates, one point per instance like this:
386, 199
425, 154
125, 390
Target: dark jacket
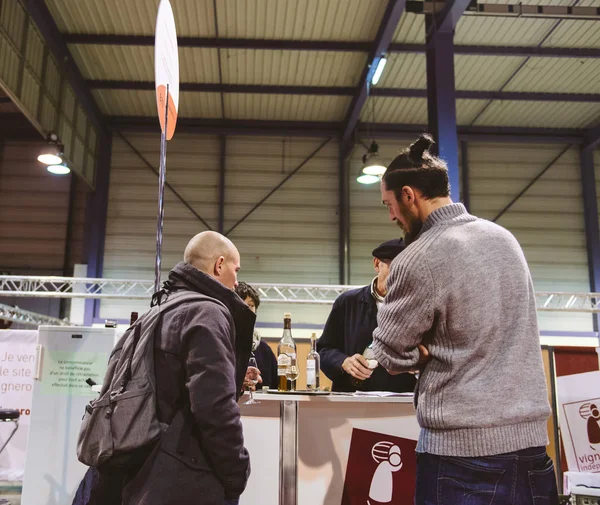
348, 331
267, 364
201, 355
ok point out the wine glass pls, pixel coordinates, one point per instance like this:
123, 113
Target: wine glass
292, 373
252, 401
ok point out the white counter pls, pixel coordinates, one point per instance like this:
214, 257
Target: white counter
305, 442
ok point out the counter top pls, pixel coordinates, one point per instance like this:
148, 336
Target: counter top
333, 397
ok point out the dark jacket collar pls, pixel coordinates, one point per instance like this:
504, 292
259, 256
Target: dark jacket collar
184, 275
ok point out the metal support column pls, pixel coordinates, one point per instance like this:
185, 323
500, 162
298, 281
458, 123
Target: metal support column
67, 260
222, 167
95, 224
343, 217
441, 96
288, 453
590, 212
465, 197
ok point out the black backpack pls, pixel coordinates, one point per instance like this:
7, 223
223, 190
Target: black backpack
123, 419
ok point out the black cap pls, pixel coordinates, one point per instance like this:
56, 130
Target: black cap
389, 250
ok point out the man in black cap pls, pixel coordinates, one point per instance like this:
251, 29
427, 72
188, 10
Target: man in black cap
344, 346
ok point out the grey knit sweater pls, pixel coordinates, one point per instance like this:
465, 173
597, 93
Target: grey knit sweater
463, 289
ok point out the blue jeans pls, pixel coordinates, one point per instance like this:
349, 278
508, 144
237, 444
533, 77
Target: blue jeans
518, 478
235, 501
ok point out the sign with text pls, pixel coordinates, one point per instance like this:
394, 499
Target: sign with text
579, 416
166, 68
17, 369
381, 470
67, 372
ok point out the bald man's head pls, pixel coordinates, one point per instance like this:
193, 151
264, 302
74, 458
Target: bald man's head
215, 255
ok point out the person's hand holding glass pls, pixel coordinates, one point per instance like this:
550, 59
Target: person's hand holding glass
252, 379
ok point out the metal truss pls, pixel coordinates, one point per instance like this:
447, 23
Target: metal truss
81, 287
17, 315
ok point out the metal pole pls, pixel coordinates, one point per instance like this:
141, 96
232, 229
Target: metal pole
161, 194
288, 453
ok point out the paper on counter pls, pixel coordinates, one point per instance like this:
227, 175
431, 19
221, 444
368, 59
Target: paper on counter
380, 394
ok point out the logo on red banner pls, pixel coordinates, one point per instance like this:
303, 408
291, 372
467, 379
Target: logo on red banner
381, 469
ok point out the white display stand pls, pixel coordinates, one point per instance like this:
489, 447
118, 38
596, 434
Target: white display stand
308, 440
67, 356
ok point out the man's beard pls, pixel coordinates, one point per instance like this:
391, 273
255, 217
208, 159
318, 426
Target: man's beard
414, 226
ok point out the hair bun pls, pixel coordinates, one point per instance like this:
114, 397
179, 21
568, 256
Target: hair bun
416, 150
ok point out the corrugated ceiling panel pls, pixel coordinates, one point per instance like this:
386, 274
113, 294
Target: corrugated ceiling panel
143, 103
547, 221
136, 63
303, 68
137, 17
126, 102
203, 105
571, 33
411, 29
564, 75
405, 70
33, 212
395, 110
540, 114
198, 64
285, 107
467, 110
129, 63
300, 20
501, 31
484, 73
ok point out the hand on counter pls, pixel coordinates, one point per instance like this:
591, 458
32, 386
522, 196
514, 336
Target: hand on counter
424, 357
252, 373
357, 366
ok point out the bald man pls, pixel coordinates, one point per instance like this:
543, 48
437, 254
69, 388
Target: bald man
202, 349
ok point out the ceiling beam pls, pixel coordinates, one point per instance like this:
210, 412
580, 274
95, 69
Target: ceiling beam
325, 45
447, 19
385, 33
40, 14
346, 91
592, 137
323, 128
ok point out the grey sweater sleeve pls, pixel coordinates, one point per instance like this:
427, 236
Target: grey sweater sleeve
406, 315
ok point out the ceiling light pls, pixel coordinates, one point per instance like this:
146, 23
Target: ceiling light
378, 71
61, 169
372, 164
367, 179
51, 155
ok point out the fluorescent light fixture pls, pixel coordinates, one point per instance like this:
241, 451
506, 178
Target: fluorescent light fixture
367, 179
62, 169
378, 71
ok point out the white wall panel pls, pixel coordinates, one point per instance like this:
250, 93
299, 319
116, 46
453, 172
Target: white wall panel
291, 238
547, 221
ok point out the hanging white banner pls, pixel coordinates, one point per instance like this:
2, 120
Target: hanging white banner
17, 369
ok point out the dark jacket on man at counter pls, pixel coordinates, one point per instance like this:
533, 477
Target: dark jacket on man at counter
348, 331
201, 355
